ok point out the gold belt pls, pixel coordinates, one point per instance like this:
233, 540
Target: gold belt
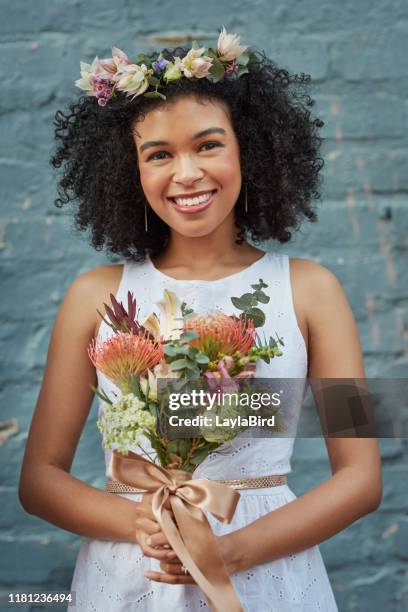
115, 486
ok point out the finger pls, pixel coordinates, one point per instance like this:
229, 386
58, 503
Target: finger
161, 554
169, 578
171, 567
172, 562
148, 526
160, 540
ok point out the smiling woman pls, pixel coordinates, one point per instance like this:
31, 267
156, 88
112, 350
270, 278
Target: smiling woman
192, 184
266, 145
178, 186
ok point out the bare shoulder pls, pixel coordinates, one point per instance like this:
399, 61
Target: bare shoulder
334, 347
306, 272
95, 286
314, 282
313, 286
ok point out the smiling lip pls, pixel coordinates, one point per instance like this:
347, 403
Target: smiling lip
193, 209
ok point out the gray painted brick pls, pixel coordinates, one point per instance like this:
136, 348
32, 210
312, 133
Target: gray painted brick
355, 52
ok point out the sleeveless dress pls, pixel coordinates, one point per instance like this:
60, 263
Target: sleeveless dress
109, 575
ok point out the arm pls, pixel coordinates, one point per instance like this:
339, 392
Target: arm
47, 489
355, 487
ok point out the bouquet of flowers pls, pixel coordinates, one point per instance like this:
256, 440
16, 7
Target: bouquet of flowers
180, 345
223, 350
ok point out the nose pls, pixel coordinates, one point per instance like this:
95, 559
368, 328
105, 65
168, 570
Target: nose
186, 170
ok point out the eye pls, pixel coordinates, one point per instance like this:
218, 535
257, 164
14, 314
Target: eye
217, 144
205, 144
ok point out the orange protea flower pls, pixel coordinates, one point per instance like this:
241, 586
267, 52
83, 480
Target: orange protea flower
125, 354
220, 333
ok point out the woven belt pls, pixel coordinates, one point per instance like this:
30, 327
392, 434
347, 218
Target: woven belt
115, 486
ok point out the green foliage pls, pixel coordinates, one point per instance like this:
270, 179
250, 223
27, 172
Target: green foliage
248, 303
183, 358
101, 393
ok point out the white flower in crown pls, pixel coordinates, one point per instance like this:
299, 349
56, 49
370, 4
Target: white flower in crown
132, 79
194, 64
228, 46
87, 72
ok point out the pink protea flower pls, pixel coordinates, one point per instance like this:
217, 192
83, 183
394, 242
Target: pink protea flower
124, 355
220, 333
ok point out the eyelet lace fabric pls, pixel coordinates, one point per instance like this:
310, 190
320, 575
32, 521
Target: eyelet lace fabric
109, 575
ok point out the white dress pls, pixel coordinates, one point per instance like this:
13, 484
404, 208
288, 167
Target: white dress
109, 575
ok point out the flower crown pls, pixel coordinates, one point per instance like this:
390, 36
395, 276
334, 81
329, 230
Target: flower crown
104, 77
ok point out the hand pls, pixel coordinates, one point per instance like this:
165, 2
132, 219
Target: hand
172, 569
172, 573
148, 528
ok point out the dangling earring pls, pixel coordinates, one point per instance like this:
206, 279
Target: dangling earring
246, 199
145, 217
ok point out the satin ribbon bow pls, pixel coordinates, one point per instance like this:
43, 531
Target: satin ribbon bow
177, 495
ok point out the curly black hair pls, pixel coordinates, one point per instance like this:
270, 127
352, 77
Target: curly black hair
279, 156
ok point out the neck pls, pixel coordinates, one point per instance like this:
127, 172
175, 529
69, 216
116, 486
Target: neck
202, 252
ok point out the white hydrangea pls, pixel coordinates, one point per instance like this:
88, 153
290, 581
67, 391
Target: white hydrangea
124, 423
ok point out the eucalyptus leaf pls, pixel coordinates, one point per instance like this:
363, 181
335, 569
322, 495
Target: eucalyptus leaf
248, 299
170, 350
237, 303
191, 365
182, 350
187, 336
201, 358
179, 364
262, 297
256, 315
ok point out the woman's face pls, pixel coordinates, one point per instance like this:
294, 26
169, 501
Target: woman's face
188, 162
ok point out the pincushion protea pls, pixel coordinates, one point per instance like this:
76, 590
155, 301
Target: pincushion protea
124, 355
220, 333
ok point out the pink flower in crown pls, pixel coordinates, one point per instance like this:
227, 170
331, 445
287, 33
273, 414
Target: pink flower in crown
228, 46
114, 65
194, 64
96, 81
232, 68
102, 89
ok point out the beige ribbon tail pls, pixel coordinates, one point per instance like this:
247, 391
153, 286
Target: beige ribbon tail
190, 534
194, 543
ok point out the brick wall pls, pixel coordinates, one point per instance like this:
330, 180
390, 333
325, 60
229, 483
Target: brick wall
355, 52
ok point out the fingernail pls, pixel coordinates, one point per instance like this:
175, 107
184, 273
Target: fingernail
148, 574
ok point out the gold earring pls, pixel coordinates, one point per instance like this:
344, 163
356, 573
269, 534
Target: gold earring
145, 217
246, 199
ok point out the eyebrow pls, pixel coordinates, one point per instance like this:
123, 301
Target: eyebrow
156, 143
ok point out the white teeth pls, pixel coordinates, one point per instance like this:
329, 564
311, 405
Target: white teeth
193, 201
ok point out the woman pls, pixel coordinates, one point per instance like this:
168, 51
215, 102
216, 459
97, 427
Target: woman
175, 185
